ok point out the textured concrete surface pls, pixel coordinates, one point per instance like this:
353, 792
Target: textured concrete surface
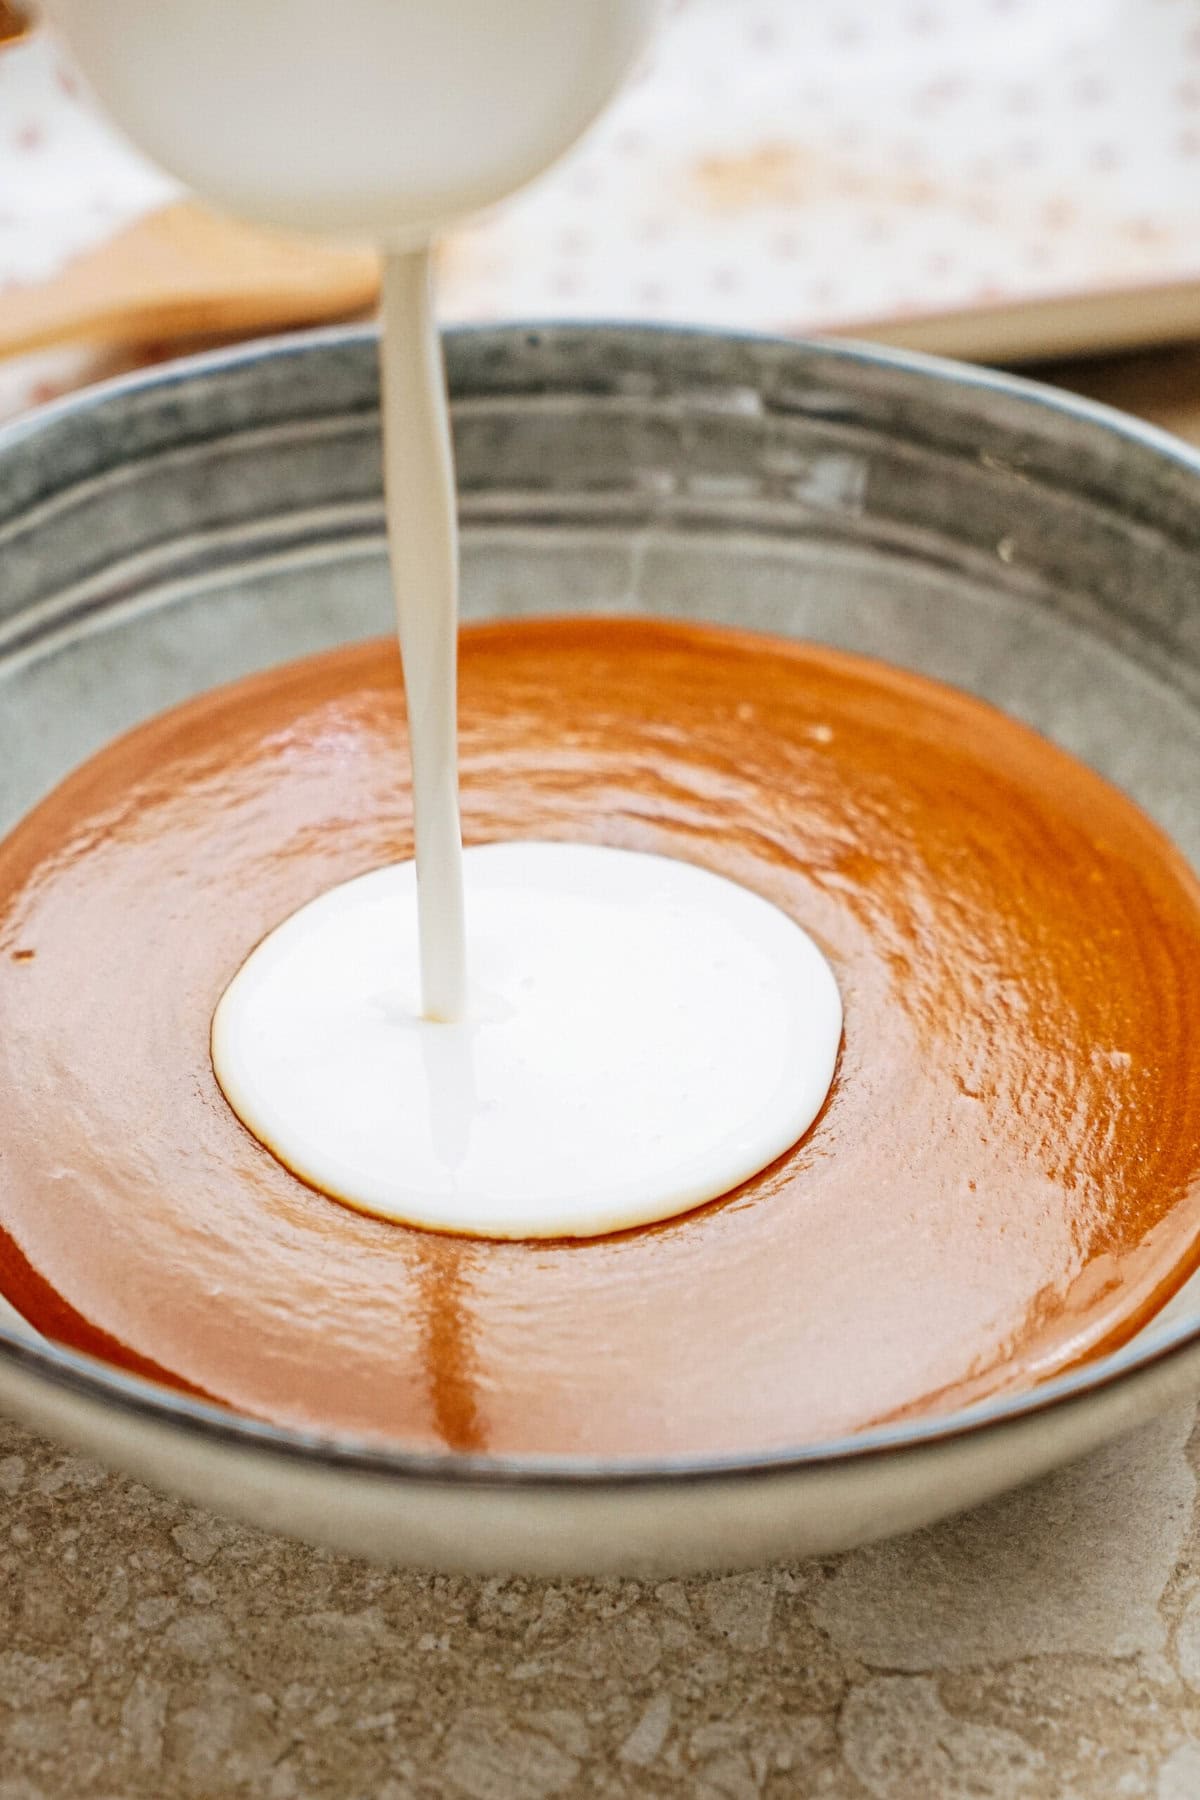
1047, 1645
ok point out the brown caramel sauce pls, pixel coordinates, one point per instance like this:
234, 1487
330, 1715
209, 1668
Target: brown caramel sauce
1005, 1179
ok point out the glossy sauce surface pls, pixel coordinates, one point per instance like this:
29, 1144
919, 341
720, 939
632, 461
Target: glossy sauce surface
1005, 1178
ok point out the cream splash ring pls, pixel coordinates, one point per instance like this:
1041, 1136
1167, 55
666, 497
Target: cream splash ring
643, 1036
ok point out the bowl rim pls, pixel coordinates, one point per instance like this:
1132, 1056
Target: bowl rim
92, 1380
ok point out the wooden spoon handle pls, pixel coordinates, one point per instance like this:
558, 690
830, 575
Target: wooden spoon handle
185, 272
14, 23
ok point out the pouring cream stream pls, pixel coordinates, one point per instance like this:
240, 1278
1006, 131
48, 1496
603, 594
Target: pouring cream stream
645, 1037
385, 120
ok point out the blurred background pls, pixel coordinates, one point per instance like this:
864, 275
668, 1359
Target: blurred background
1007, 180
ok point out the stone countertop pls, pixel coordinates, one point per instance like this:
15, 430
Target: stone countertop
1047, 1645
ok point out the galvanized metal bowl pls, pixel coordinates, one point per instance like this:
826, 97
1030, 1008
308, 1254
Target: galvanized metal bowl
169, 532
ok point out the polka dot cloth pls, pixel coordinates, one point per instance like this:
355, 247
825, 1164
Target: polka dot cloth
774, 164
